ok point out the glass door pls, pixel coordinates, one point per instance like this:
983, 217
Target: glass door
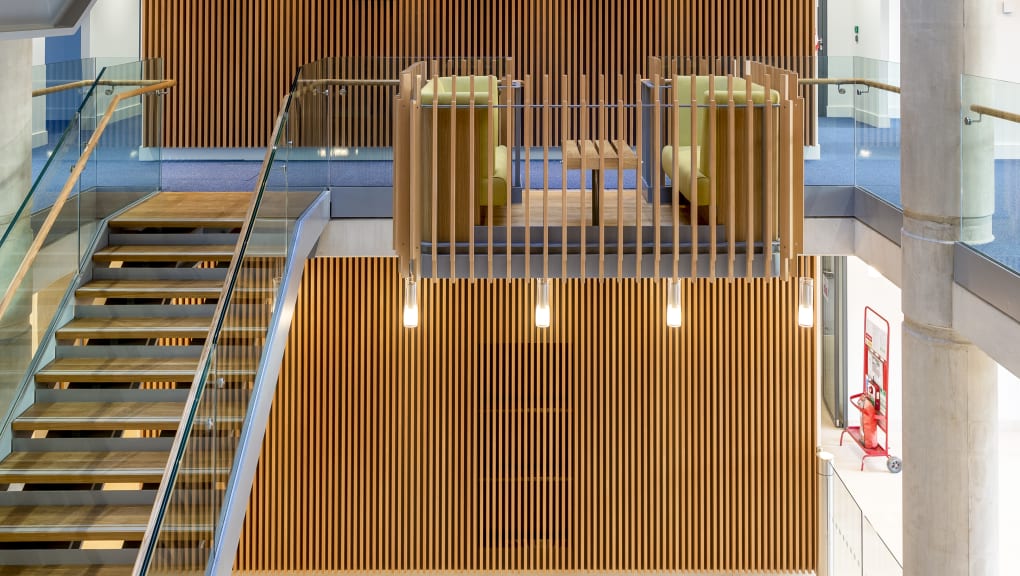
834, 338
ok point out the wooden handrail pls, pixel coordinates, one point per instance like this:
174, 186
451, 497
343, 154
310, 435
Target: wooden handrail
839, 81
61, 87
82, 83
993, 112
353, 81
312, 83
58, 204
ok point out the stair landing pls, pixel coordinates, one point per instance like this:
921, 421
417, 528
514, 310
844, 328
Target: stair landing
187, 209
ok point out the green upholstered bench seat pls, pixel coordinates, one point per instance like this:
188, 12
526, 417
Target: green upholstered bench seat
681, 127
682, 181
499, 180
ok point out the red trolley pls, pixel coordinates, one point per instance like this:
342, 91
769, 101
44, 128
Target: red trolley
873, 402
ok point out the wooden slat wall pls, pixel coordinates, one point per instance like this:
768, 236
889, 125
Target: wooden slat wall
479, 442
234, 60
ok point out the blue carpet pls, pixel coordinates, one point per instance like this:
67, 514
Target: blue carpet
1005, 248
854, 153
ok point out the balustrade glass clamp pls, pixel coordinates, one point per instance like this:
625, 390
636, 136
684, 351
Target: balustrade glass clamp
866, 90
967, 120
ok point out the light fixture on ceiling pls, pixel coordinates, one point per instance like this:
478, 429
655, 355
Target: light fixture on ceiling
806, 302
410, 303
674, 309
542, 303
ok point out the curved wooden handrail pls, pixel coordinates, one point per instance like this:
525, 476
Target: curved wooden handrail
995, 113
83, 83
352, 81
61, 87
58, 204
861, 81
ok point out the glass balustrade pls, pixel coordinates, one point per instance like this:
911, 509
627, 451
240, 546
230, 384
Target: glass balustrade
858, 127
59, 88
43, 250
990, 156
190, 505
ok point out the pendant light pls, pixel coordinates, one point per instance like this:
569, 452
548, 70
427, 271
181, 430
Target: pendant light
542, 303
806, 302
674, 309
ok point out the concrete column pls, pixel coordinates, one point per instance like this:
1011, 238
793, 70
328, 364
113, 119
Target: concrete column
16, 119
15, 181
949, 416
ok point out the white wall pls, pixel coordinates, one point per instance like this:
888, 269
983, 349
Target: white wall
878, 28
993, 41
38, 51
877, 39
112, 30
883, 297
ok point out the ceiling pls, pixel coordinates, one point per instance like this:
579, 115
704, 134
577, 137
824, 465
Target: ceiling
29, 19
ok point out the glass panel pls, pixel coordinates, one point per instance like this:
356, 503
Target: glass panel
308, 142
125, 164
877, 130
991, 170
65, 238
211, 433
38, 295
831, 163
858, 129
53, 112
833, 351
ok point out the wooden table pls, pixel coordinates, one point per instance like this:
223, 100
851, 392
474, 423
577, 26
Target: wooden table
613, 156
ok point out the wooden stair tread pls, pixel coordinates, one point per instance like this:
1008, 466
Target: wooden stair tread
165, 253
82, 467
57, 523
151, 289
118, 370
185, 327
100, 416
187, 209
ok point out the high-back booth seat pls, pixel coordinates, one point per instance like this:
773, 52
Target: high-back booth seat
681, 127
489, 158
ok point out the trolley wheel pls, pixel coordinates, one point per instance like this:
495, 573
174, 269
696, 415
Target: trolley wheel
894, 464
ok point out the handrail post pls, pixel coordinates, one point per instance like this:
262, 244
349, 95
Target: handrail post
825, 547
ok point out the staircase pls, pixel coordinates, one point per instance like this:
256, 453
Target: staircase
78, 489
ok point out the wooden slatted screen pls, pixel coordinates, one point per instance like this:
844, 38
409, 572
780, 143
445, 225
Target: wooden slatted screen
479, 442
234, 60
